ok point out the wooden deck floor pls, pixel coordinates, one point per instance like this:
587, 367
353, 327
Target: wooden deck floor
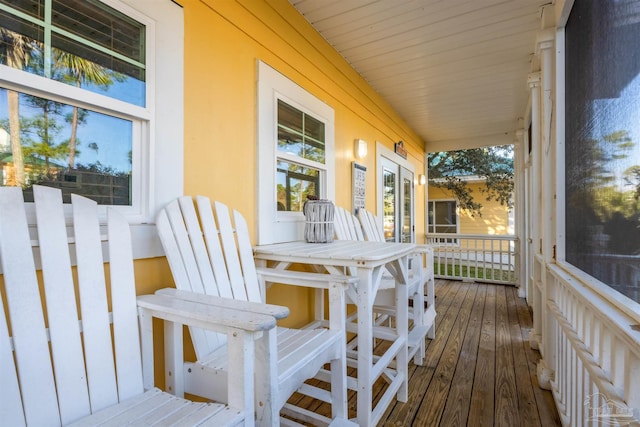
479, 370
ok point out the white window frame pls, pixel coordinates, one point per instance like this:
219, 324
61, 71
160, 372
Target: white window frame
279, 226
158, 128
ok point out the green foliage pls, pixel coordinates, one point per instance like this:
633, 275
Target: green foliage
41, 130
494, 165
101, 169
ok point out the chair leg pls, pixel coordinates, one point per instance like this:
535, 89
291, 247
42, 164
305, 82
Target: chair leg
418, 321
337, 321
431, 301
266, 380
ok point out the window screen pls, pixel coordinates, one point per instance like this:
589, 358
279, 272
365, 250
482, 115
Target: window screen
602, 142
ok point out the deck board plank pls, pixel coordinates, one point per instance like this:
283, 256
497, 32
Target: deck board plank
435, 398
404, 414
482, 396
506, 395
456, 411
544, 398
527, 406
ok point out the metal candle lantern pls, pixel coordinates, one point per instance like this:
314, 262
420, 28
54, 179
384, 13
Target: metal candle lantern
318, 221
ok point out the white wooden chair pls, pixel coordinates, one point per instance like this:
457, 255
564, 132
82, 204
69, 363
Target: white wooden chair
212, 255
57, 369
348, 227
373, 230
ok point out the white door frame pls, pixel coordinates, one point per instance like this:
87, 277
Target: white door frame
385, 155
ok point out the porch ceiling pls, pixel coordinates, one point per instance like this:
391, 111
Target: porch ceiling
455, 70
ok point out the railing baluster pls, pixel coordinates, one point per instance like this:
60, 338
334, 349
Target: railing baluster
597, 358
483, 258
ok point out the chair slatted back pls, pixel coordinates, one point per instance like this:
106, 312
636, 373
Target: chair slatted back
77, 375
124, 308
94, 310
372, 227
26, 318
59, 292
209, 253
346, 225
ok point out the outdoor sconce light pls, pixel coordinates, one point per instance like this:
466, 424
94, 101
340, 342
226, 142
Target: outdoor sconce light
360, 149
422, 180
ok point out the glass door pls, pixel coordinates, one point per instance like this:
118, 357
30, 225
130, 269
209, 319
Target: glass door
407, 210
389, 201
397, 202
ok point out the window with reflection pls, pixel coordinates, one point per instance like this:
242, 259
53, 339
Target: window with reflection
602, 181
83, 43
389, 207
407, 210
72, 140
443, 216
301, 157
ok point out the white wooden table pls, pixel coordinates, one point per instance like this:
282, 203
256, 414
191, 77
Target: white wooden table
365, 260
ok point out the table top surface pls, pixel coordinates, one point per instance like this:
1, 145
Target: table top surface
338, 252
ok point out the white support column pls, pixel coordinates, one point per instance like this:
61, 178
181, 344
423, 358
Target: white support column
547, 158
544, 48
533, 242
519, 207
534, 86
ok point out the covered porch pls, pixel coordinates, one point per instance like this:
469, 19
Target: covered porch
219, 99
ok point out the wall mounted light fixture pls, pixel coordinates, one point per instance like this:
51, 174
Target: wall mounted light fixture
360, 149
422, 180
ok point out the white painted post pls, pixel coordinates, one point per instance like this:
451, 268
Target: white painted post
544, 45
534, 203
520, 206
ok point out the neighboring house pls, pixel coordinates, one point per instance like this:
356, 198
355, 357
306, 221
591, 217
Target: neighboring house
33, 168
494, 218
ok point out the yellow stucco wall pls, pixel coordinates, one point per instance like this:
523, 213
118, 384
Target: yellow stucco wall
224, 39
494, 219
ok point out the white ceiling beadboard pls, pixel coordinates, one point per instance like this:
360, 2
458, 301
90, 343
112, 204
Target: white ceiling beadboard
455, 70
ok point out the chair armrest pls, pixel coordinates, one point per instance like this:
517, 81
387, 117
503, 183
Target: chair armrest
424, 248
241, 327
303, 278
203, 315
277, 311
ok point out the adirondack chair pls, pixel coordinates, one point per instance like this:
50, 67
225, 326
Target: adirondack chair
56, 370
373, 230
348, 227
211, 255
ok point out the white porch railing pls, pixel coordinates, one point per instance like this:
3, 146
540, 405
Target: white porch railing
476, 257
594, 351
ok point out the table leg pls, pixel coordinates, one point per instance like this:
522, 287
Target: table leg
400, 270
402, 325
365, 347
